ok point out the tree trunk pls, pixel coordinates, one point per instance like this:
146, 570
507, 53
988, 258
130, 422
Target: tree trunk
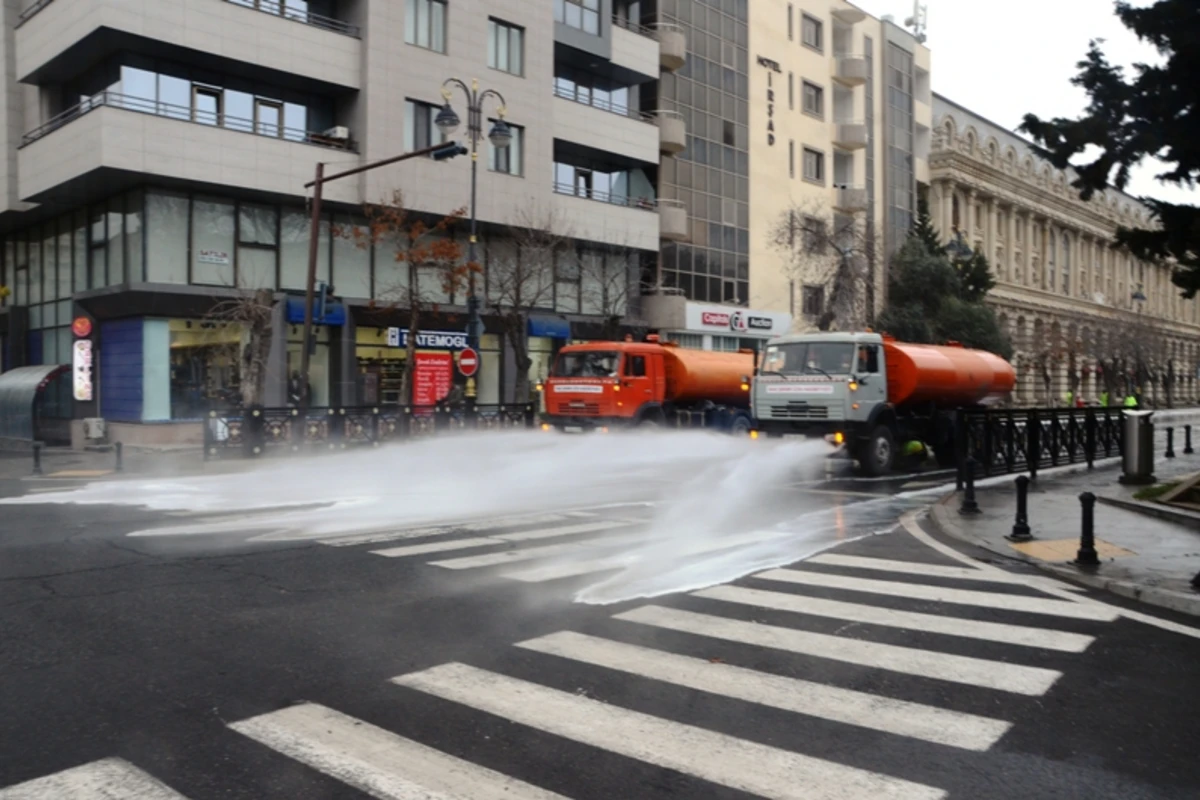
410, 360
257, 350
514, 326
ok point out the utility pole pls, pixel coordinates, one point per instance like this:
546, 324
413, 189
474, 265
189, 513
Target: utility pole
439, 152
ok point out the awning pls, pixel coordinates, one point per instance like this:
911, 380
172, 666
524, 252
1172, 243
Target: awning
19, 389
549, 327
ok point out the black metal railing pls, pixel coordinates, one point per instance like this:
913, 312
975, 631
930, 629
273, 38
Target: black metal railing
198, 116
263, 431
279, 8
629, 25
588, 193
1008, 440
587, 99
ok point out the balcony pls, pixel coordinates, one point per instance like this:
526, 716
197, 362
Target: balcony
94, 144
850, 134
849, 199
672, 132
850, 70
672, 47
605, 128
635, 50
305, 51
848, 15
673, 220
608, 217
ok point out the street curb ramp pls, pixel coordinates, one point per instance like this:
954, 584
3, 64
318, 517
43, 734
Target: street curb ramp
944, 518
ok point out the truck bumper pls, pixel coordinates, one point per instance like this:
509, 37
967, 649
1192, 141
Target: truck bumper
813, 429
552, 422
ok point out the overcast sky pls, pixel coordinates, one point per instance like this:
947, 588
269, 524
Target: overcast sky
1003, 58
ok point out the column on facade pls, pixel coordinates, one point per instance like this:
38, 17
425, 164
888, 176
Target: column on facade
989, 235
947, 210
1010, 244
969, 221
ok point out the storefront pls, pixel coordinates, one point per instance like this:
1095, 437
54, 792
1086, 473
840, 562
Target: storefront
702, 326
381, 354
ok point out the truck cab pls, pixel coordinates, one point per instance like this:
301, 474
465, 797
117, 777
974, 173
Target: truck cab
823, 385
602, 384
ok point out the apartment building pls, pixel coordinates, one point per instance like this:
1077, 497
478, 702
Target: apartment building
157, 155
840, 122
1072, 305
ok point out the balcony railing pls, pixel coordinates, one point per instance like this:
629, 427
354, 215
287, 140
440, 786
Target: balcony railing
604, 105
587, 193
634, 27
183, 114
29, 12
279, 8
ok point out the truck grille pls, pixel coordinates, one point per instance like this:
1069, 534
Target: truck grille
799, 410
583, 410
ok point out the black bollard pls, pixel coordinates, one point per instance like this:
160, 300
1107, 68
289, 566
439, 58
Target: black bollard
1087, 556
1020, 528
1196, 581
118, 447
1170, 443
969, 506
37, 458
1187, 440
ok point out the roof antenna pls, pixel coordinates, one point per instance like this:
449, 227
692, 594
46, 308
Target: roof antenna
919, 20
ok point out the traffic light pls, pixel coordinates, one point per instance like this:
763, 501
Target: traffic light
449, 150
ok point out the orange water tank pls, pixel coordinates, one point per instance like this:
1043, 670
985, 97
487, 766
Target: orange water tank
948, 375
694, 375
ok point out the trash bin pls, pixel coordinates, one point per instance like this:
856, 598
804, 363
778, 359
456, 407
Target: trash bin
1138, 447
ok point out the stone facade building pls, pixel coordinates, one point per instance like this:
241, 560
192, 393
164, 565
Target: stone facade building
1081, 315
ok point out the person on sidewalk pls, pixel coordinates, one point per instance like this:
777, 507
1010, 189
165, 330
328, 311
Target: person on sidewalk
1131, 400
1104, 399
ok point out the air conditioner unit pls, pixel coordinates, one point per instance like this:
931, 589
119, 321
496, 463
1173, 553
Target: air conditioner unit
93, 428
338, 132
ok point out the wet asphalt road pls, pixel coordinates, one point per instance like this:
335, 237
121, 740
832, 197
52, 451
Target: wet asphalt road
224, 667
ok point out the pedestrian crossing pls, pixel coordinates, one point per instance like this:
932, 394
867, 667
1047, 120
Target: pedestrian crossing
794, 663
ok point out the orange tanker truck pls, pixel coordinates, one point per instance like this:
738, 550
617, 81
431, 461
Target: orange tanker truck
599, 385
871, 393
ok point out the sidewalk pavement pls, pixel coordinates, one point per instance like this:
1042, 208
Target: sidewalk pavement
62, 465
1145, 557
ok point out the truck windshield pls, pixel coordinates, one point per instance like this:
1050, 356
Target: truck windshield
809, 358
586, 364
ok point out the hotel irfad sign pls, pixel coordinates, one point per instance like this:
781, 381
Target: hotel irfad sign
772, 67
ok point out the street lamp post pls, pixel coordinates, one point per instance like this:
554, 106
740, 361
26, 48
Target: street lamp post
500, 136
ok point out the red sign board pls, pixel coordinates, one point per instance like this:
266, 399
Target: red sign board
468, 362
716, 318
433, 375
82, 327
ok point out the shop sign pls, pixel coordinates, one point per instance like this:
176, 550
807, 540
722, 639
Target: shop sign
433, 375
428, 340
212, 257
772, 67
81, 369
712, 318
82, 327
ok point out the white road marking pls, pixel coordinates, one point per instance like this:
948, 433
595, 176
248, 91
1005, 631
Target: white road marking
504, 538
909, 620
107, 779
1015, 678
531, 553
915, 568
931, 724
473, 526
940, 594
571, 569
747, 766
379, 762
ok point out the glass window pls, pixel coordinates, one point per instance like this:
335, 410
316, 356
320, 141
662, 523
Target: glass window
506, 44
212, 242
425, 24
268, 117
295, 225
115, 241
206, 105
419, 130
79, 250
351, 263
814, 99
256, 224
239, 111
814, 166
811, 32
295, 122
166, 237
582, 15
174, 97
205, 366
133, 236
508, 159
138, 84
64, 257
256, 267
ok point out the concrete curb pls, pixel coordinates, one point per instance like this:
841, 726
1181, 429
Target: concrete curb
944, 519
1153, 509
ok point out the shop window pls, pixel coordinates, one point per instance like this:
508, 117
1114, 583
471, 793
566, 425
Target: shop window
205, 366
318, 365
212, 242
166, 237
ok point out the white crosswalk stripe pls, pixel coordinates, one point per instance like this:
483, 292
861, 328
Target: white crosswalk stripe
503, 539
909, 620
915, 568
726, 760
379, 762
918, 721
941, 594
379, 537
107, 779
908, 660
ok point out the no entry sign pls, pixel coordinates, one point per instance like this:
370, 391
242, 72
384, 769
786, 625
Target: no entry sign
468, 362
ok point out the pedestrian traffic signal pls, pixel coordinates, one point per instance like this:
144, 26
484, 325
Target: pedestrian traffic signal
449, 151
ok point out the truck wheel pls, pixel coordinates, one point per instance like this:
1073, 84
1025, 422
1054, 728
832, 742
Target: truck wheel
878, 452
741, 426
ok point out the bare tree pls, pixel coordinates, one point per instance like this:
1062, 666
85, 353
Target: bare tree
521, 274
610, 288
833, 254
1131, 356
429, 265
251, 310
